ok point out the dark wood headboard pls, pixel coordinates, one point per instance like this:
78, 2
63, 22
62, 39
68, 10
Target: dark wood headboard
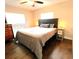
49, 21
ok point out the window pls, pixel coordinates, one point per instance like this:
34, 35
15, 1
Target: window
15, 18
48, 15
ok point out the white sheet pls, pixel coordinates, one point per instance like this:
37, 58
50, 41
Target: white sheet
40, 33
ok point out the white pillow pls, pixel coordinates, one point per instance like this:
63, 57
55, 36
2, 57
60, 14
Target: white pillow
51, 25
44, 25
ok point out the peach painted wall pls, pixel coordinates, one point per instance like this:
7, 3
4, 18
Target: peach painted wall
63, 11
28, 14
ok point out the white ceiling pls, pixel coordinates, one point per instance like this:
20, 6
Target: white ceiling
16, 3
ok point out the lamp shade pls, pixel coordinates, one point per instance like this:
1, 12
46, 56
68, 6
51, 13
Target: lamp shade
62, 24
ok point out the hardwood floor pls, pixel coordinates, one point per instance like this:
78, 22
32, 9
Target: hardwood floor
54, 50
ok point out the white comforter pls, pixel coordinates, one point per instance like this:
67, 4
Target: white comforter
39, 32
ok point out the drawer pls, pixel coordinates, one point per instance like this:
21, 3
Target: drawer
8, 29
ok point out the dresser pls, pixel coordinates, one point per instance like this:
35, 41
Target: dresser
8, 32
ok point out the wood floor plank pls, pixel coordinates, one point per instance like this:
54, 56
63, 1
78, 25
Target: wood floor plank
55, 50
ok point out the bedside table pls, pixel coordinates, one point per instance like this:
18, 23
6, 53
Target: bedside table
60, 34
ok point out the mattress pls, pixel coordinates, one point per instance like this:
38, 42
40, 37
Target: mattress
35, 38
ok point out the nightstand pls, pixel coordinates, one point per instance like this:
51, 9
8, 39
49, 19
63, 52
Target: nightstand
60, 35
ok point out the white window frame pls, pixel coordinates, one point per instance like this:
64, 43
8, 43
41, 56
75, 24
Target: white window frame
15, 18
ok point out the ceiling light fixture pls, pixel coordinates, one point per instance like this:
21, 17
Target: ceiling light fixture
32, 2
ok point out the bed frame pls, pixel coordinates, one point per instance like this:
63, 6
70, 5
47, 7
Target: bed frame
37, 47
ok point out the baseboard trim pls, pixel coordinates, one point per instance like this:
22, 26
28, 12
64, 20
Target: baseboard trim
68, 38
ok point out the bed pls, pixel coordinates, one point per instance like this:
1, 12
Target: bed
35, 38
